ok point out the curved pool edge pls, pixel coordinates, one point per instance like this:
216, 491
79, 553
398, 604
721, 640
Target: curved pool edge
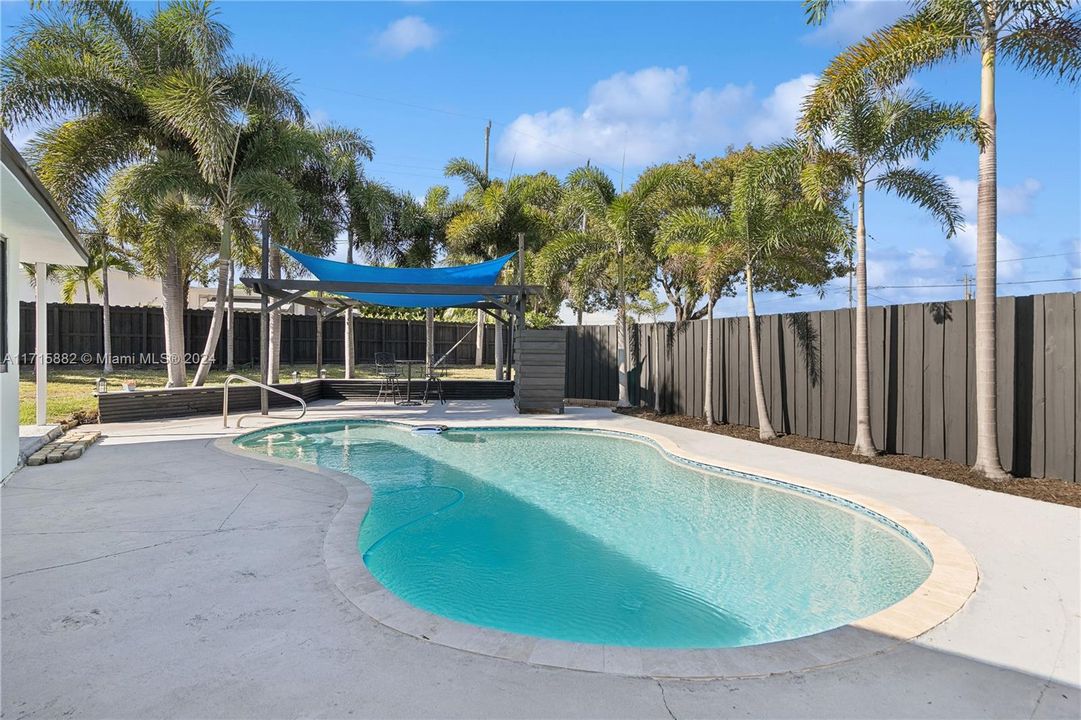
953, 579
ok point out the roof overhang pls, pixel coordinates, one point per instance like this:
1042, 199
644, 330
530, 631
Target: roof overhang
30, 216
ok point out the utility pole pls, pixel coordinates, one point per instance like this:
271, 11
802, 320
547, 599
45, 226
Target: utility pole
967, 280
487, 141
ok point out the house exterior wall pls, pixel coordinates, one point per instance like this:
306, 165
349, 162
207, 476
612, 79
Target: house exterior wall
9, 380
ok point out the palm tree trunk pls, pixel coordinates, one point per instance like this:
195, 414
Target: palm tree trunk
225, 254
708, 385
274, 328
86, 286
765, 428
429, 339
106, 318
230, 330
347, 338
173, 306
479, 359
987, 458
621, 338
865, 444
579, 317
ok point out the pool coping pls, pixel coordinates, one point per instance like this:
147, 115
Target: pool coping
953, 578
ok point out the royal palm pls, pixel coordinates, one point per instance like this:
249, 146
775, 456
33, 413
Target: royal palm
874, 138
1040, 36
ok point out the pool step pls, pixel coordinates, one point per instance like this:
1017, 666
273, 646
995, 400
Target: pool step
69, 446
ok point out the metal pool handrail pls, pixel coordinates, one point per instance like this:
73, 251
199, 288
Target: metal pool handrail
249, 381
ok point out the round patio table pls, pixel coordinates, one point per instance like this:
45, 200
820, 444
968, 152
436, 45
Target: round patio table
409, 383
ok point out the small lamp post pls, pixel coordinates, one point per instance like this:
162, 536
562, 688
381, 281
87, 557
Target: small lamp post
323, 373
102, 386
296, 376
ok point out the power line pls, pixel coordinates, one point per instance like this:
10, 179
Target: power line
948, 285
1030, 257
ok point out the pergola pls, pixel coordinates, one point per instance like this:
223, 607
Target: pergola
340, 286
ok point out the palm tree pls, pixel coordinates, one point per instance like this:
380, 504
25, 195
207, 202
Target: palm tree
708, 185
173, 235
1042, 36
139, 88
784, 240
618, 227
365, 206
704, 243
574, 265
874, 135
492, 213
473, 176
327, 156
231, 183
102, 256
119, 87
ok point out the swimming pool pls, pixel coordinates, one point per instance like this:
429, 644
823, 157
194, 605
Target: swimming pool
594, 537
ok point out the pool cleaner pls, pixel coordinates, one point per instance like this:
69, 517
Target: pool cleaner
429, 429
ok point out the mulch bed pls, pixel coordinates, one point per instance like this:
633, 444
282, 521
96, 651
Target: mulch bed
1053, 491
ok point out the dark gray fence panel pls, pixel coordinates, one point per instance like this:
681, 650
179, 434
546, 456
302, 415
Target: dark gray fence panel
138, 333
922, 376
1060, 372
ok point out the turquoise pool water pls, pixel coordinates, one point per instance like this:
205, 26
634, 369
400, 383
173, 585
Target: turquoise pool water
595, 538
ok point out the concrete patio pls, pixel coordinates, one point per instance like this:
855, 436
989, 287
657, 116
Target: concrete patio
160, 576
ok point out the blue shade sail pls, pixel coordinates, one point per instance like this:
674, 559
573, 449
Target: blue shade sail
480, 274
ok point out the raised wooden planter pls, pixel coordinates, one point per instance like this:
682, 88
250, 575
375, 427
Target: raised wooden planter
181, 402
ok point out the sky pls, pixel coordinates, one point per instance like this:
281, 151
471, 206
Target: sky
627, 85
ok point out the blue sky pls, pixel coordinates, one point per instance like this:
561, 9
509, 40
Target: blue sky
567, 82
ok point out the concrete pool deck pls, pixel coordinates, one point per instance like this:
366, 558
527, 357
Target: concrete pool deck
160, 576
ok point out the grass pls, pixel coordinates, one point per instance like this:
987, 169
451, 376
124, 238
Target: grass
71, 388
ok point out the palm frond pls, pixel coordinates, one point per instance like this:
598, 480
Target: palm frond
922, 39
1046, 41
468, 172
927, 190
74, 157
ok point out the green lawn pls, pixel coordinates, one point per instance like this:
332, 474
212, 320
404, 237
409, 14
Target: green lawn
71, 388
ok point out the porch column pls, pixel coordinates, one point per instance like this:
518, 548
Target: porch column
41, 340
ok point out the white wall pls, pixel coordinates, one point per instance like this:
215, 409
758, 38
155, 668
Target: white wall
124, 291
9, 381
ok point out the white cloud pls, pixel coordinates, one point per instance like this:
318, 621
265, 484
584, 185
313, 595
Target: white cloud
653, 114
1012, 200
852, 21
1017, 200
924, 259
405, 35
780, 111
964, 245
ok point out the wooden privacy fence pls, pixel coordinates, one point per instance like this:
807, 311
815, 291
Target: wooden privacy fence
922, 366
138, 335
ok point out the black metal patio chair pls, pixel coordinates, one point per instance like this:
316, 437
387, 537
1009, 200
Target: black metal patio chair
386, 368
433, 379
